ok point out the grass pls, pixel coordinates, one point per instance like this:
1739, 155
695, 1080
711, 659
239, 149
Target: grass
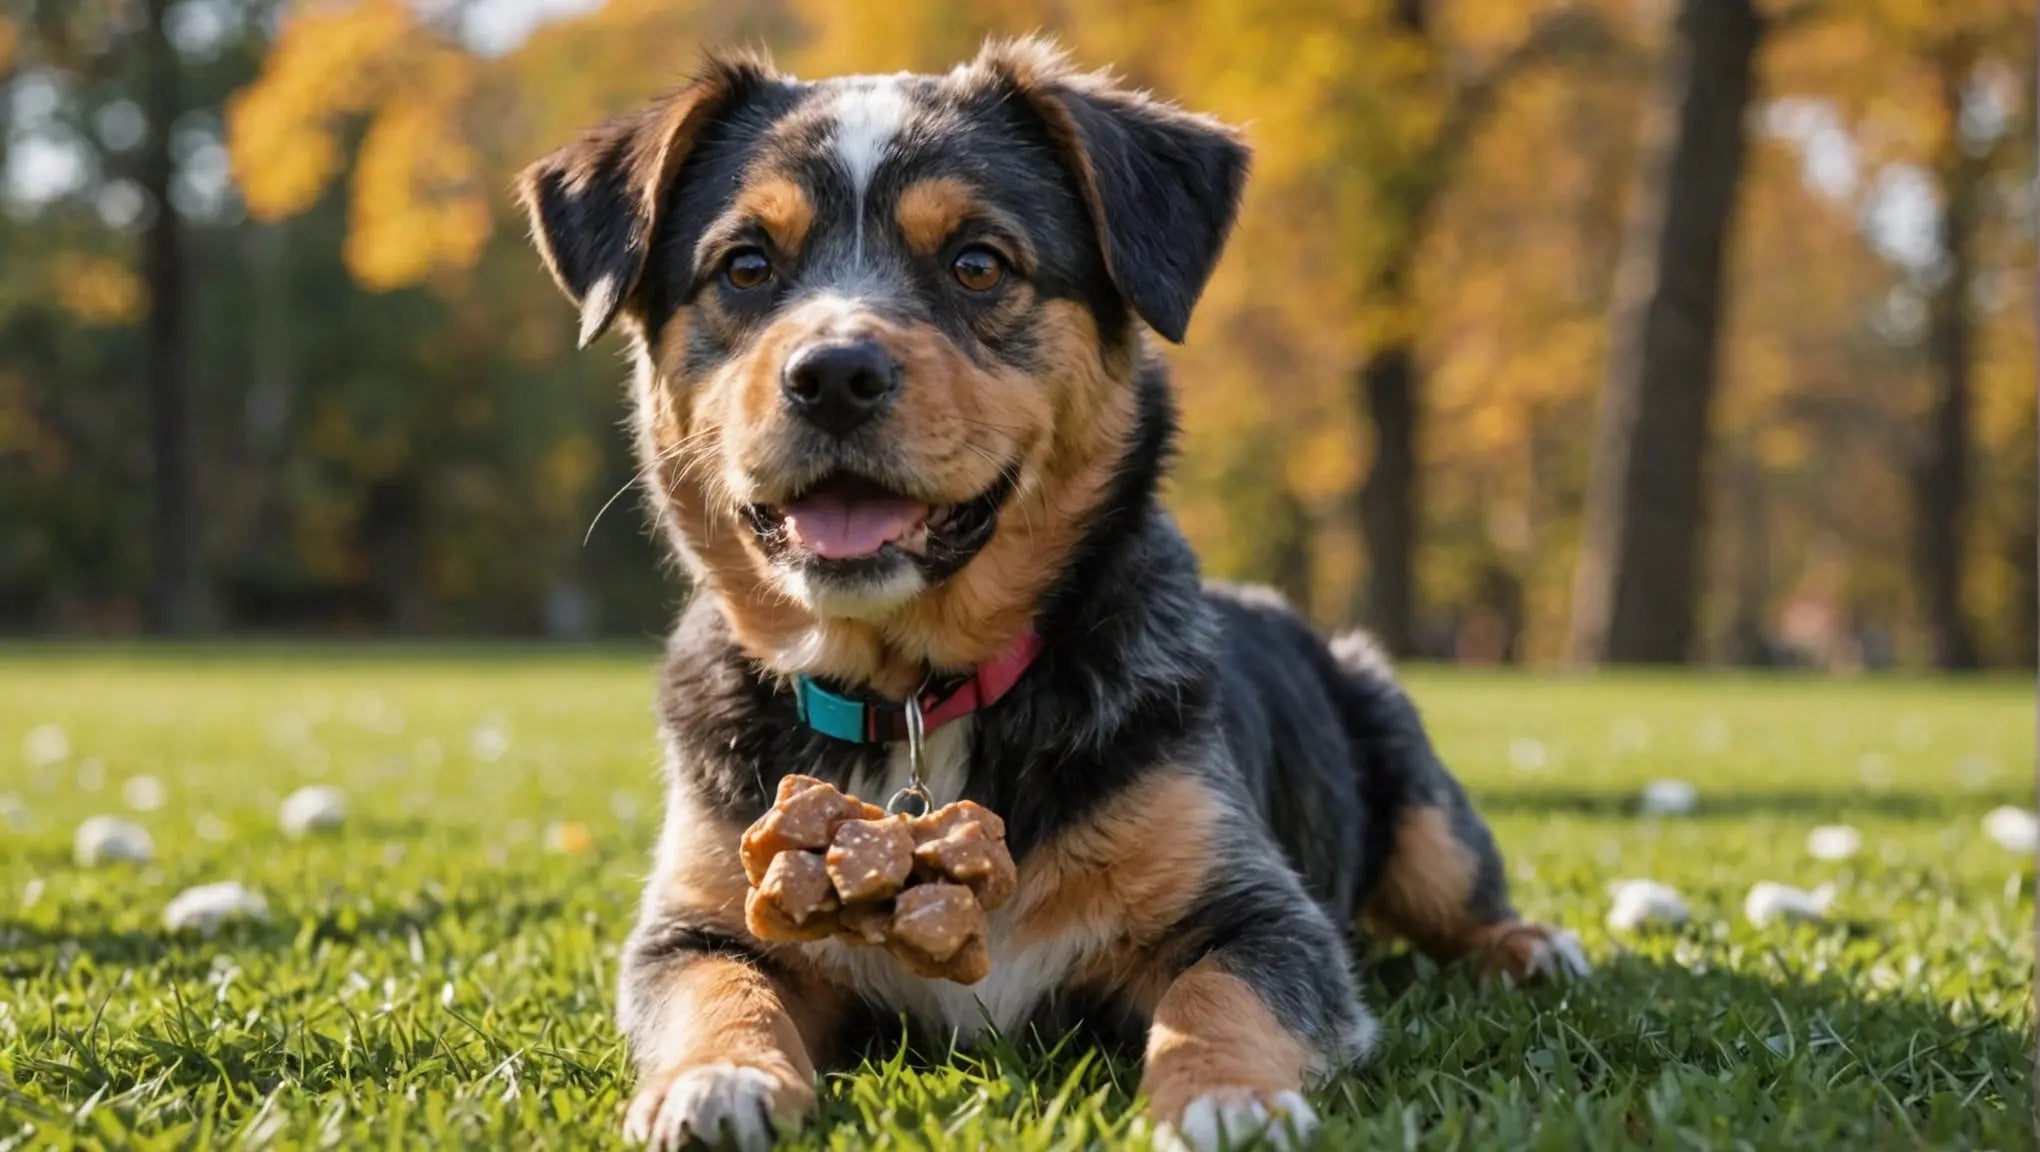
435, 975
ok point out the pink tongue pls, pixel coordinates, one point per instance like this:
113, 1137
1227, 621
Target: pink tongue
836, 528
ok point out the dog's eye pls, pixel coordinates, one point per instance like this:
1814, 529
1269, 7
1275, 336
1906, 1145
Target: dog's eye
978, 269
746, 268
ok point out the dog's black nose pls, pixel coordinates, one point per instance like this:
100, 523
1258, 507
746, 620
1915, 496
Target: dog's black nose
839, 387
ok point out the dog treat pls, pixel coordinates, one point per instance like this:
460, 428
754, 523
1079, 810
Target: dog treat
794, 900
869, 859
934, 928
825, 864
967, 844
805, 815
868, 924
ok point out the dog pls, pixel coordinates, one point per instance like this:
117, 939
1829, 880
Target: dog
900, 420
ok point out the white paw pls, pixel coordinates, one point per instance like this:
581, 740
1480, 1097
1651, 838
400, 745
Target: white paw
715, 1105
1558, 954
1230, 1120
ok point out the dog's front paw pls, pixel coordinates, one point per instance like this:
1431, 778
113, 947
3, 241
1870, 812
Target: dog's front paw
1233, 1119
1524, 950
713, 1105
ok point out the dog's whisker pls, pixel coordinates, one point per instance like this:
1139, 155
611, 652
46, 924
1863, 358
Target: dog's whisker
637, 476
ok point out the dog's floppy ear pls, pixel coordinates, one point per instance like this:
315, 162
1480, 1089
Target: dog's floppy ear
1162, 184
594, 204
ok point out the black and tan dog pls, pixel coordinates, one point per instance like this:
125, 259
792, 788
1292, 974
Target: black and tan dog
899, 420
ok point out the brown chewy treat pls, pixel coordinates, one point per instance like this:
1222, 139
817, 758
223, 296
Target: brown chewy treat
938, 930
824, 864
865, 923
965, 843
768, 921
804, 816
799, 883
869, 859
969, 857
949, 817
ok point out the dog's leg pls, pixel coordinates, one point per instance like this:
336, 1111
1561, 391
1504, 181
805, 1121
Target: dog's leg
1266, 1008
1443, 889
724, 1033
719, 1054
1438, 879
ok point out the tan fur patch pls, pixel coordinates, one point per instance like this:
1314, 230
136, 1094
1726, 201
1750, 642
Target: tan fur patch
1425, 888
715, 1010
699, 875
682, 451
1122, 877
1212, 1032
973, 615
930, 210
782, 207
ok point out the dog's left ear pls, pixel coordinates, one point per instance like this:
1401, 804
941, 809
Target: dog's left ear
594, 204
1162, 185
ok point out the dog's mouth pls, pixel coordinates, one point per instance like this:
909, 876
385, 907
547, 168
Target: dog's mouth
845, 521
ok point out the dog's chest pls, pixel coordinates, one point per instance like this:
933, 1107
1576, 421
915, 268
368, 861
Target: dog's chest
1027, 966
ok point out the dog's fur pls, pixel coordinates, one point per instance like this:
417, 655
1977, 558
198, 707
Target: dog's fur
1206, 801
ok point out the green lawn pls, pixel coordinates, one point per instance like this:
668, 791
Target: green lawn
435, 974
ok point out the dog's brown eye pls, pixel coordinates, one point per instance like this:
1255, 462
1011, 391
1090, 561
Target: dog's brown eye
978, 269
747, 268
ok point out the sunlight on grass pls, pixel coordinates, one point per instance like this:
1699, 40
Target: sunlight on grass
439, 970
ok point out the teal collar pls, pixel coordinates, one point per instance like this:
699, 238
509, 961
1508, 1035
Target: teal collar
878, 722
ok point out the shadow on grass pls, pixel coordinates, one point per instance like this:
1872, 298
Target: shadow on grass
29, 950
1806, 805
1645, 1052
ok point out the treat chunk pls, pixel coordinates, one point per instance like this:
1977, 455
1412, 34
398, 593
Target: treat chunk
934, 928
867, 924
803, 816
966, 843
966, 855
869, 859
794, 901
946, 819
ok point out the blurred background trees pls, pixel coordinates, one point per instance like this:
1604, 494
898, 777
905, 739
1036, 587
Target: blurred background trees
1553, 329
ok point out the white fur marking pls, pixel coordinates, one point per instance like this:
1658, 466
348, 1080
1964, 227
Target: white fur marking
596, 306
946, 765
863, 601
1021, 978
1356, 1044
869, 112
1232, 1119
702, 1102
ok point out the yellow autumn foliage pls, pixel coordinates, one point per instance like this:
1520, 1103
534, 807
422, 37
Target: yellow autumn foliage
97, 290
1368, 222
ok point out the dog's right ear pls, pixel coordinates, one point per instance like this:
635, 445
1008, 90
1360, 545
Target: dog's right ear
594, 204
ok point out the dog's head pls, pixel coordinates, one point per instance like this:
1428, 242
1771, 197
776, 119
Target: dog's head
886, 330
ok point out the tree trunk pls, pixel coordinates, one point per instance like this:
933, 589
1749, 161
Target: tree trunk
1388, 405
174, 601
1636, 591
1749, 640
1388, 496
1941, 476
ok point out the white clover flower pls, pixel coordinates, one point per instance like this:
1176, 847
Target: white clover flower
110, 839
205, 908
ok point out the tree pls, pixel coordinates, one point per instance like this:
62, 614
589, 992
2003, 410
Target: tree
175, 602
1415, 178
1941, 471
1636, 594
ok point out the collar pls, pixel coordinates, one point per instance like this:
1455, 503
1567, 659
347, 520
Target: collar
877, 722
